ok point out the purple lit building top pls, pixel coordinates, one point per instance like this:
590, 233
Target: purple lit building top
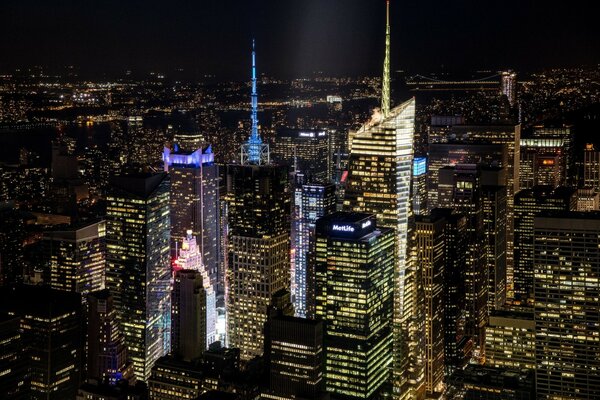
181, 158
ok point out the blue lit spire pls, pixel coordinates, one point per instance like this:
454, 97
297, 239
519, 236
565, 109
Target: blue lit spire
254, 151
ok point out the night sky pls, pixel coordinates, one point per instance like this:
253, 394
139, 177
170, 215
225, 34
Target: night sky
296, 37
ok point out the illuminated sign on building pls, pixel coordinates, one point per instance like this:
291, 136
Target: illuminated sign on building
419, 166
342, 228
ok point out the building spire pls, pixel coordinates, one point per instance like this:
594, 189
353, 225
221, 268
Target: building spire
385, 90
254, 151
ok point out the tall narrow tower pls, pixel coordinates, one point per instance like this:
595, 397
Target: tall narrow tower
385, 82
379, 180
254, 151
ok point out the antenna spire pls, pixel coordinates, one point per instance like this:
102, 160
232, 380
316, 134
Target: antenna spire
385, 90
254, 151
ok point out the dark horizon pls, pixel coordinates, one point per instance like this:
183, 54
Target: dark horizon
295, 39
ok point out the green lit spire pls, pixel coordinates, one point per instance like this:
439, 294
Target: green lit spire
385, 90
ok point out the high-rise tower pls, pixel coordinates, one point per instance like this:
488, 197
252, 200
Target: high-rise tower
379, 180
258, 239
254, 151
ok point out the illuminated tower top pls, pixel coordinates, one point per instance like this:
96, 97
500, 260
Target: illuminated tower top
254, 151
385, 90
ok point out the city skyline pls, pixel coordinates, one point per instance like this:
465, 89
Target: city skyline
395, 236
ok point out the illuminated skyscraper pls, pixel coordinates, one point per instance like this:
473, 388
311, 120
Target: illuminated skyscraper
508, 85
567, 306
258, 250
419, 186
306, 151
194, 204
106, 350
458, 346
430, 260
139, 268
354, 263
190, 258
312, 201
77, 257
529, 203
379, 181
258, 239
543, 162
591, 167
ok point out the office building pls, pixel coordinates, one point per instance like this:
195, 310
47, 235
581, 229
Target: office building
449, 154
306, 151
566, 306
194, 204
188, 315
430, 253
13, 369
379, 182
311, 202
175, 379
529, 203
458, 346
588, 199
296, 358
189, 140
566, 135
138, 265
543, 162
419, 186
258, 250
478, 382
354, 263
258, 240
93, 390
51, 324
76, 257
510, 339
591, 167
190, 258
106, 351
460, 188
508, 86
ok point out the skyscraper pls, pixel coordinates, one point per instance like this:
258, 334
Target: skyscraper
194, 204
354, 263
543, 162
510, 339
567, 307
529, 203
306, 151
379, 181
591, 167
190, 258
139, 270
296, 358
188, 315
51, 327
106, 350
258, 259
76, 257
312, 201
430, 259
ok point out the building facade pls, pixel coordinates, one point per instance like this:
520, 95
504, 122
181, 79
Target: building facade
354, 263
139, 270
